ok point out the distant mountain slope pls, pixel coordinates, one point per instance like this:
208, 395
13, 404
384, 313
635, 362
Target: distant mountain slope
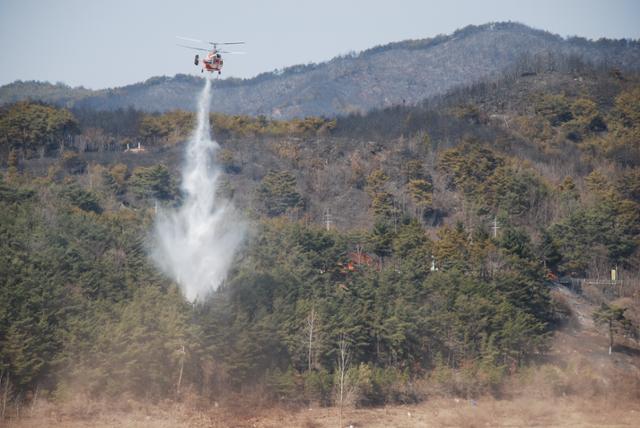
407, 71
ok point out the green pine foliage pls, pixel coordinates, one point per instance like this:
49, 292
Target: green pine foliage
28, 126
66, 264
607, 221
490, 182
152, 182
277, 193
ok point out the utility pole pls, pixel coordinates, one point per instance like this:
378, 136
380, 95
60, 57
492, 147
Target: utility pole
495, 227
328, 219
433, 264
359, 252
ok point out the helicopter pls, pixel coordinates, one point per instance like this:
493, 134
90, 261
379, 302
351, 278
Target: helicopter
212, 61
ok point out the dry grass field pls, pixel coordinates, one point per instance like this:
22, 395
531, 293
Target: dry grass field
519, 412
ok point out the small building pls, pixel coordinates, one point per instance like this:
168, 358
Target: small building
138, 149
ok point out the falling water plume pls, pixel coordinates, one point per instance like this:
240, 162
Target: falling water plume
195, 243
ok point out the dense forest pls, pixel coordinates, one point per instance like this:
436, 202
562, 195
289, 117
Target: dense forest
410, 244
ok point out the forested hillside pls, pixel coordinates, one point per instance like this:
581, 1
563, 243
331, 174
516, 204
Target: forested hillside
399, 73
421, 241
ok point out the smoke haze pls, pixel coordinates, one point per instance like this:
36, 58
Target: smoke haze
196, 242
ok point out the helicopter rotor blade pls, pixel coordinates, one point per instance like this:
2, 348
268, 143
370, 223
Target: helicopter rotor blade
189, 39
195, 49
226, 43
233, 52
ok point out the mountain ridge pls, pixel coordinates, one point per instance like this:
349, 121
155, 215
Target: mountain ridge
395, 73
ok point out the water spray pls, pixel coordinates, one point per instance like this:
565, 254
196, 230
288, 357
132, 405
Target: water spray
195, 243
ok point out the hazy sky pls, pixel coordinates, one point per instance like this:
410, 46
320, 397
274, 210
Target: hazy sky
116, 42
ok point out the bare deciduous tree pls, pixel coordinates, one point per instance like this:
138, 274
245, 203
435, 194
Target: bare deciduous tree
183, 354
343, 366
311, 326
5, 384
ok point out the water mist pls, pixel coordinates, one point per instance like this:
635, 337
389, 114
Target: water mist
195, 243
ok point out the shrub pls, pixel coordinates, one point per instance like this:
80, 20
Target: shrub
82, 199
285, 386
317, 387
73, 163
